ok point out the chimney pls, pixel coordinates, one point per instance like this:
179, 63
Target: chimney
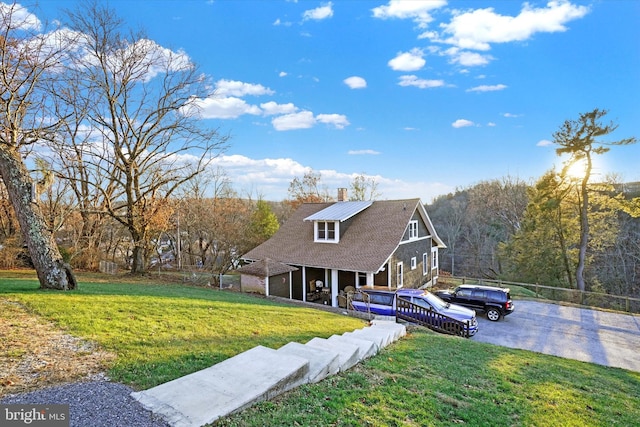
342, 194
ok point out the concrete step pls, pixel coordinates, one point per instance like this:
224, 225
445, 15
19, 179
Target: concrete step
322, 363
366, 348
234, 384
262, 373
398, 329
382, 337
348, 354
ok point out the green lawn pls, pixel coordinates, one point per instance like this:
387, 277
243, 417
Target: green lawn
428, 379
163, 331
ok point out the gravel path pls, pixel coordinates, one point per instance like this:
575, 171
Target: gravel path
93, 404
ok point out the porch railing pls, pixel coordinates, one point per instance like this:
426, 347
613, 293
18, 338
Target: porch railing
406, 310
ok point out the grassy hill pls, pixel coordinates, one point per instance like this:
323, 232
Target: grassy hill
144, 333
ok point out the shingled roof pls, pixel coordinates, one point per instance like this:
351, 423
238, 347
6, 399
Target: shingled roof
365, 244
266, 268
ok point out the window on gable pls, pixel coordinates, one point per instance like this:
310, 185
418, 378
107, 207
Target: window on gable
413, 230
326, 231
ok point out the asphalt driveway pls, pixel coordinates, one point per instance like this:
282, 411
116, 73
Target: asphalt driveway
610, 339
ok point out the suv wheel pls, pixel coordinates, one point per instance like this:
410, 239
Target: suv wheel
493, 314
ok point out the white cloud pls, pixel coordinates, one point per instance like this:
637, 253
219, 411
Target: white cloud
544, 143
225, 108
323, 12
338, 120
355, 82
408, 61
412, 80
301, 120
238, 164
237, 88
417, 10
305, 120
491, 124
466, 58
487, 88
282, 74
275, 175
151, 58
461, 123
20, 17
479, 28
511, 115
361, 152
272, 108
278, 22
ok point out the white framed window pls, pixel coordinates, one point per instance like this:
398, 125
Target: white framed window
413, 229
326, 231
434, 258
399, 275
414, 263
425, 264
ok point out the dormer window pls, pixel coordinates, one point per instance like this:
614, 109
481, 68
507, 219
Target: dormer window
327, 231
326, 223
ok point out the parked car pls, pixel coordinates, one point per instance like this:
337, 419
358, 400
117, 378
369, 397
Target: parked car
495, 302
384, 303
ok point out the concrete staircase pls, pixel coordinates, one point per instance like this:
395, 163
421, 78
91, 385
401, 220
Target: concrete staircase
262, 373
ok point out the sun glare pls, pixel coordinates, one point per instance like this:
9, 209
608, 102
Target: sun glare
577, 169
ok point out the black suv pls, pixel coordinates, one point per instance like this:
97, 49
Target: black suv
496, 302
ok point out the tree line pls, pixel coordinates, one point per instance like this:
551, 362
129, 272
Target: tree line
512, 230
563, 230
110, 115
104, 155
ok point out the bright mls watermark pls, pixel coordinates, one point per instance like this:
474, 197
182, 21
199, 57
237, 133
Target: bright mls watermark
34, 415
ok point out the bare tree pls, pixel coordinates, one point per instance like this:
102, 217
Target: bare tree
580, 139
86, 174
307, 190
448, 213
195, 216
141, 102
364, 188
28, 61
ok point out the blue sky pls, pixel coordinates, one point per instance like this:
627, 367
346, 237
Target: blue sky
424, 96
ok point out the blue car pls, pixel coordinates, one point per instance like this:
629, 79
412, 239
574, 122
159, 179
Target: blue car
424, 307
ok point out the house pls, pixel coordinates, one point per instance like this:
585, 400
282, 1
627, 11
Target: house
329, 246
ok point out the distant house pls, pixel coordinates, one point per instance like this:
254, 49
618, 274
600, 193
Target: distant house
325, 247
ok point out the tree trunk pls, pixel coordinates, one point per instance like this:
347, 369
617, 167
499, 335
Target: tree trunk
139, 253
584, 239
52, 271
584, 226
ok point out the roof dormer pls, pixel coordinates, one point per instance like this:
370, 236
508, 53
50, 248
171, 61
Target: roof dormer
326, 223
